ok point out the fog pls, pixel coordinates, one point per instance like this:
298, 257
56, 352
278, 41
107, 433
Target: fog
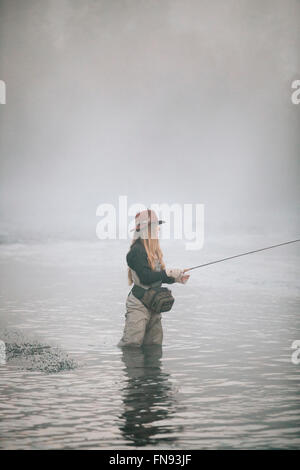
154, 102
163, 101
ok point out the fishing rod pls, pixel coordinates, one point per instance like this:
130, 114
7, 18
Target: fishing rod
241, 254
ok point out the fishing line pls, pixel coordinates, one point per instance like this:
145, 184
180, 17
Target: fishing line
242, 254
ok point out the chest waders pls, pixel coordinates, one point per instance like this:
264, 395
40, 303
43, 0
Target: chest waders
142, 326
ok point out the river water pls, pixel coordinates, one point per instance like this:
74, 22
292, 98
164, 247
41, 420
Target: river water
224, 377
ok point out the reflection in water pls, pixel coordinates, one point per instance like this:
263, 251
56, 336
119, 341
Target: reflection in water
148, 398
231, 383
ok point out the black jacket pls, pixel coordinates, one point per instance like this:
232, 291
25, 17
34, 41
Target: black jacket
138, 261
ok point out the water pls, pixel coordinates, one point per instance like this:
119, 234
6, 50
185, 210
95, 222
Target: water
223, 378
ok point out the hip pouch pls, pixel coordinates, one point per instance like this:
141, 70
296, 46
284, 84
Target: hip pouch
156, 299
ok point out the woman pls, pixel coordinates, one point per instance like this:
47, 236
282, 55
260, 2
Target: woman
146, 269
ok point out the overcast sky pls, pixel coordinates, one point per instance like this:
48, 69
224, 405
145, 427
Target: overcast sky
175, 101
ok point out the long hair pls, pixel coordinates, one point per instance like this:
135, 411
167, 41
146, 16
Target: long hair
153, 251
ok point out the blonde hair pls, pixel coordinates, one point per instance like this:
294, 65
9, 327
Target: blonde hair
153, 251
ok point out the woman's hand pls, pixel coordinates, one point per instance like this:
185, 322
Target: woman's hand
184, 278
178, 275
175, 273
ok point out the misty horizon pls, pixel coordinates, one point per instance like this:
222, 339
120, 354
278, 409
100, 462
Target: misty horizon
166, 102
